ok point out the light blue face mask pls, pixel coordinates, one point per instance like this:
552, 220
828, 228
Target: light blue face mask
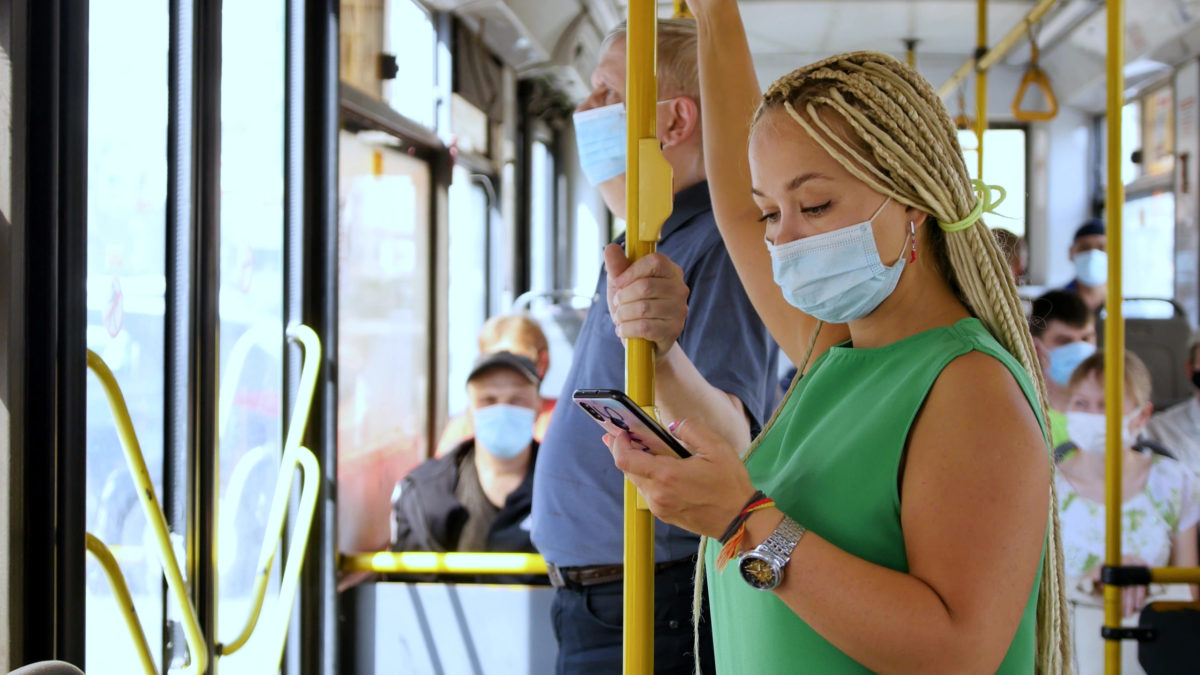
504, 430
836, 276
1091, 267
600, 138
1064, 359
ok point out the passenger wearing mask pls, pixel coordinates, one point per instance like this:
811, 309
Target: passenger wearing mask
1159, 512
1064, 334
1089, 254
477, 498
1178, 427
520, 334
721, 366
896, 513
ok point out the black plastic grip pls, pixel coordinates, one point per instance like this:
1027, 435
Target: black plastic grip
1125, 575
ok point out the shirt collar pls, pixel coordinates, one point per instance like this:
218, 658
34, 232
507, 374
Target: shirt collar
687, 204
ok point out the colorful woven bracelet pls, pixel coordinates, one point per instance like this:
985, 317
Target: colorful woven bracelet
732, 539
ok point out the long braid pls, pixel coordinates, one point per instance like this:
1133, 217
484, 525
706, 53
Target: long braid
884, 124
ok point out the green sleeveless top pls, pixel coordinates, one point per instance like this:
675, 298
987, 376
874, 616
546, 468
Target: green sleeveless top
830, 460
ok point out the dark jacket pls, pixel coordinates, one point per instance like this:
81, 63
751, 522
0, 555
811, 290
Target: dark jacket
429, 517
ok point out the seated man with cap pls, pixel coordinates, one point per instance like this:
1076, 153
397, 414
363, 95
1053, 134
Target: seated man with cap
478, 496
1089, 254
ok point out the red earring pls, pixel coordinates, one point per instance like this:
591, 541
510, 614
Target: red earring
912, 233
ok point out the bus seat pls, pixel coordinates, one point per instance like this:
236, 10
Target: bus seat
1157, 331
48, 668
449, 628
1174, 649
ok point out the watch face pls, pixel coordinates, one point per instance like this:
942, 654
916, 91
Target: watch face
758, 572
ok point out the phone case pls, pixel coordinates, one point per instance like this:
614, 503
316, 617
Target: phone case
614, 411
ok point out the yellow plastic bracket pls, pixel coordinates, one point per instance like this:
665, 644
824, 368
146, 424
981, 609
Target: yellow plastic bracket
654, 187
682, 11
294, 457
136, 463
121, 591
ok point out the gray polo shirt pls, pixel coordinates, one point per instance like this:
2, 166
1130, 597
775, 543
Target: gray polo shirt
577, 492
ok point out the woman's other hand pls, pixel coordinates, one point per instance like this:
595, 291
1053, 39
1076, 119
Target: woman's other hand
1133, 598
701, 494
647, 299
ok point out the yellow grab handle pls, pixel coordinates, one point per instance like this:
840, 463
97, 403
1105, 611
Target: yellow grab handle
293, 457
424, 562
121, 591
136, 462
1035, 76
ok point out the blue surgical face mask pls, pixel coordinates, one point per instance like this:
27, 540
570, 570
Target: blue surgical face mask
504, 430
1066, 358
836, 276
600, 139
1091, 267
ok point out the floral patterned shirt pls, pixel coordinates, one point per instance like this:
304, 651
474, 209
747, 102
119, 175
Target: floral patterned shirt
1150, 520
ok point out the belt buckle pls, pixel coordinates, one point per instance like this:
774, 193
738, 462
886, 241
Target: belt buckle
557, 579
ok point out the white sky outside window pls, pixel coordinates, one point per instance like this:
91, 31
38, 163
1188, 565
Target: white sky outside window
1003, 165
411, 37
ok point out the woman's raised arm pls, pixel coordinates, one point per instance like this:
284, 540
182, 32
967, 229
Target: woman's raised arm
730, 94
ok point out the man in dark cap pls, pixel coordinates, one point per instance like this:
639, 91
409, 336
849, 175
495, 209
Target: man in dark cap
1088, 253
477, 497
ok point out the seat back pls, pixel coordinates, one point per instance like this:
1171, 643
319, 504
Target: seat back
1157, 331
1174, 648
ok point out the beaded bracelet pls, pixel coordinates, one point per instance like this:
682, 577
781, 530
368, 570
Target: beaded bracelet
731, 539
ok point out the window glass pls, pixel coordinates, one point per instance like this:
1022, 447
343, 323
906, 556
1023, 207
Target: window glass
541, 219
1003, 165
467, 294
411, 37
1131, 139
250, 399
383, 333
1148, 252
127, 189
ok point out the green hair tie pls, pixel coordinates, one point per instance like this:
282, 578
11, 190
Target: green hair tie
982, 205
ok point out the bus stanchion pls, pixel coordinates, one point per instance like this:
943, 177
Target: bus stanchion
295, 456
981, 82
1114, 339
648, 203
136, 463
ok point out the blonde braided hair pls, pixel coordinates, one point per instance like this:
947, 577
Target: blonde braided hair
884, 124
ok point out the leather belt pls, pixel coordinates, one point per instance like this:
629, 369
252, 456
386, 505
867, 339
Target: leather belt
594, 575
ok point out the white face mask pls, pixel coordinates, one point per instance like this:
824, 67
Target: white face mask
836, 276
1087, 431
1091, 267
600, 140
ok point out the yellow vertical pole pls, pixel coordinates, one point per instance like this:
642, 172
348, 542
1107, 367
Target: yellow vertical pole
1114, 330
981, 80
648, 203
910, 52
682, 11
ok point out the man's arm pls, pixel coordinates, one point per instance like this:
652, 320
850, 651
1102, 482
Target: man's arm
681, 391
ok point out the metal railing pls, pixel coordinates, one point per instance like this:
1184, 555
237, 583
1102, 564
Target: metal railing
421, 562
136, 463
124, 601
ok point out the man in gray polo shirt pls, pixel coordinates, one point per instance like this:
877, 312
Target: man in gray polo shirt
577, 503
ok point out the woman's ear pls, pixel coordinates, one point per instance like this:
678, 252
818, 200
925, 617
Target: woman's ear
678, 121
916, 216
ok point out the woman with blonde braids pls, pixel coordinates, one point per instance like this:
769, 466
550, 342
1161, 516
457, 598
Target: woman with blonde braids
897, 514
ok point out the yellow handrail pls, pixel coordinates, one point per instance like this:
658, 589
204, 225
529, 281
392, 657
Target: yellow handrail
294, 455
981, 82
1035, 75
421, 562
121, 591
197, 647
648, 199
1114, 331
999, 50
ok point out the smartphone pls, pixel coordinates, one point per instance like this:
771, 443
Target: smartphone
614, 411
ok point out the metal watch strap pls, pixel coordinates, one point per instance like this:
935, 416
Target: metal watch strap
784, 539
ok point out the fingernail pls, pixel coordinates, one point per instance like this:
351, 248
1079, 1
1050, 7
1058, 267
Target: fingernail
674, 425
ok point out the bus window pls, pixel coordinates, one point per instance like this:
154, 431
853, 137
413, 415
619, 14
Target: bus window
1148, 253
387, 51
1004, 164
383, 333
126, 286
541, 218
250, 399
467, 293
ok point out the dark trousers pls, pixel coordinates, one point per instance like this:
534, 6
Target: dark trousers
587, 625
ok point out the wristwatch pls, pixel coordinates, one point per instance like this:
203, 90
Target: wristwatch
762, 566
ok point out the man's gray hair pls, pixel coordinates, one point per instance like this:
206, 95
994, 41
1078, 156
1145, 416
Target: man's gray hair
678, 71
